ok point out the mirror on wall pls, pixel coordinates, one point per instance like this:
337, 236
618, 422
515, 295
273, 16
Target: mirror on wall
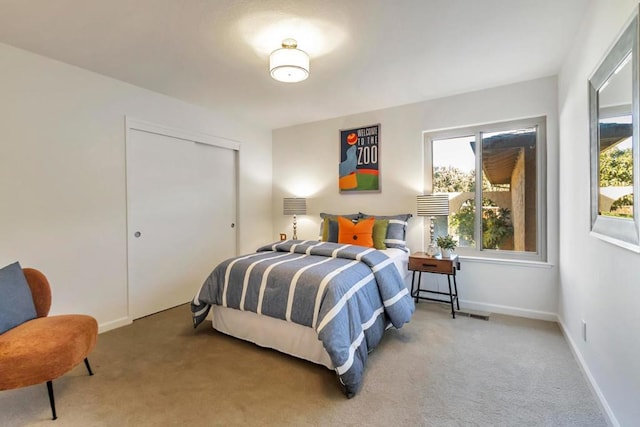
615, 139
615, 171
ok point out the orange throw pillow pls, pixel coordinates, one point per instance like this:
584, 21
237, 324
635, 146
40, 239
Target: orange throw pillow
360, 233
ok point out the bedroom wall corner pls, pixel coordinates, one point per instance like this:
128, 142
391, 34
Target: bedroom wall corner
62, 176
597, 279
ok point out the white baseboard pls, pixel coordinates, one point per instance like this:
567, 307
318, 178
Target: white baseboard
124, 321
611, 418
511, 311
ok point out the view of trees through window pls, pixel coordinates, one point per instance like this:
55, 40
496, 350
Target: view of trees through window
616, 167
508, 188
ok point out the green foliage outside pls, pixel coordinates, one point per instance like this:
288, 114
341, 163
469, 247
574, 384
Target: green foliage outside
616, 167
453, 180
496, 227
616, 170
496, 223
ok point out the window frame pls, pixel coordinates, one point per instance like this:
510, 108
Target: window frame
541, 183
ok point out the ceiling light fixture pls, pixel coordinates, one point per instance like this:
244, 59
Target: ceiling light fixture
289, 64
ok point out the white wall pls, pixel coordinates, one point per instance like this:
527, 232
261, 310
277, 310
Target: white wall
305, 163
62, 176
599, 282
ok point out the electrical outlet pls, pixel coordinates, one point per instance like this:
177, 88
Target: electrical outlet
584, 330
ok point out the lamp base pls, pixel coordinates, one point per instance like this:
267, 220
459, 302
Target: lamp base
295, 228
432, 250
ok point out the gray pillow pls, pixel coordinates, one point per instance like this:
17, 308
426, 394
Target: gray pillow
16, 302
352, 217
333, 230
396, 231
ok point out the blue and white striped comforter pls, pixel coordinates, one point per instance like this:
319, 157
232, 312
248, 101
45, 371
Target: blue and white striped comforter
348, 294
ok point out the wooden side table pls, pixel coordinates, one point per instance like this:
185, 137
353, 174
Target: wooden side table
420, 262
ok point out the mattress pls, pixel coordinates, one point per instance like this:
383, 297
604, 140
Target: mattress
286, 337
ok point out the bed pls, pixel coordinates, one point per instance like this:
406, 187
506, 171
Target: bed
322, 301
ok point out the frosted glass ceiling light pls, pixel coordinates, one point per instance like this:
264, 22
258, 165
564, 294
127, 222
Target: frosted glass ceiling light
289, 64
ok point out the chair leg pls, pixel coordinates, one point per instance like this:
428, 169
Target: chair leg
51, 401
50, 389
86, 363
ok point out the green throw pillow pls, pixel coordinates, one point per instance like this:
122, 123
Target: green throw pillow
380, 233
330, 230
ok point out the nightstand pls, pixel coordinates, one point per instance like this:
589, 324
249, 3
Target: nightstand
420, 262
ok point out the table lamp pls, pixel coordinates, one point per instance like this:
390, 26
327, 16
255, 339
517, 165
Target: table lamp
294, 206
432, 205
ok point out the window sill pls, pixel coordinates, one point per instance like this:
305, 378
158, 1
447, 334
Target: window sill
508, 262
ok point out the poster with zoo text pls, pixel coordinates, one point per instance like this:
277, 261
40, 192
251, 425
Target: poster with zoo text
359, 168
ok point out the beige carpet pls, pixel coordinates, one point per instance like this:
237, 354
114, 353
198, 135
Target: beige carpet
436, 371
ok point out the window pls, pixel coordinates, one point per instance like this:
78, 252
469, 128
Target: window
500, 168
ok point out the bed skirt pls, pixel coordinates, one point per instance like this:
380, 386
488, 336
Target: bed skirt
286, 337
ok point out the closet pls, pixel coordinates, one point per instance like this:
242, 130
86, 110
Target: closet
181, 213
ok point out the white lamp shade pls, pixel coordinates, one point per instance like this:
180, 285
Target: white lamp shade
294, 206
433, 205
289, 65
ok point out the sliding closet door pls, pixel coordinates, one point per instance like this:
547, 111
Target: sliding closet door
181, 217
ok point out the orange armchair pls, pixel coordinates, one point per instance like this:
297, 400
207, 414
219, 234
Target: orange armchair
45, 348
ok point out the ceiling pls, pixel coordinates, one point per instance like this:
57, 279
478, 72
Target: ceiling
365, 54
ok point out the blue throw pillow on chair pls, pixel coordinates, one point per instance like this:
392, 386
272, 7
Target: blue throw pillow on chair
16, 302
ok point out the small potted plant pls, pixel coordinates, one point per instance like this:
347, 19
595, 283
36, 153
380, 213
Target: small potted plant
447, 244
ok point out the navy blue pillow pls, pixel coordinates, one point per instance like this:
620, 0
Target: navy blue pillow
16, 302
